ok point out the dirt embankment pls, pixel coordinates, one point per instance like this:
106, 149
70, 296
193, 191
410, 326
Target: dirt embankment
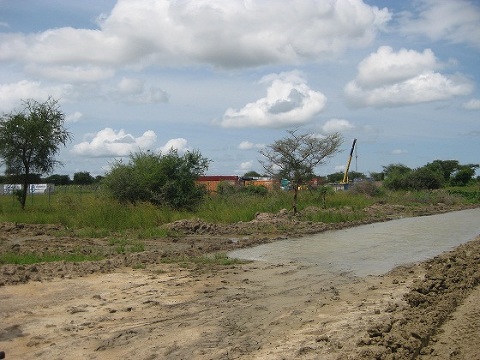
195, 238
115, 308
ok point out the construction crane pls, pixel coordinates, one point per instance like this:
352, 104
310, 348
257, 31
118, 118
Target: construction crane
345, 175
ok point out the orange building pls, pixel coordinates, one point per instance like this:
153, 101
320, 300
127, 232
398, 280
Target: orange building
211, 182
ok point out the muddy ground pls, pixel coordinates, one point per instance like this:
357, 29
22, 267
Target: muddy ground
140, 306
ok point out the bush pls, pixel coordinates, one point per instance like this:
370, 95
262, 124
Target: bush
255, 190
163, 180
367, 188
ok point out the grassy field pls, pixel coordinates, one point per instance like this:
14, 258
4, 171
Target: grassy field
87, 212
93, 211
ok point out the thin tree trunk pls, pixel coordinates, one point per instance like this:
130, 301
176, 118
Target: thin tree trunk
295, 199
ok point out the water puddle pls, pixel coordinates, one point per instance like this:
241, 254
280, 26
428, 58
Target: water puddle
372, 249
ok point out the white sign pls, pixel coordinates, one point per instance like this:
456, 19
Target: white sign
38, 188
10, 188
32, 188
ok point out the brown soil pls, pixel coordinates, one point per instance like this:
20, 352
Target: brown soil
137, 306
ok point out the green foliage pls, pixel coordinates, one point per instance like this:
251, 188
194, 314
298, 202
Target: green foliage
226, 188
424, 178
296, 156
471, 195
335, 177
434, 175
367, 188
394, 170
57, 179
30, 139
254, 190
251, 174
18, 258
83, 178
463, 176
163, 180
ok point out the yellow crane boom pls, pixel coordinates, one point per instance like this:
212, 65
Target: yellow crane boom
345, 175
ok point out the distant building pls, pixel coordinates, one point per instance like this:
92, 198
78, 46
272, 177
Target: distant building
211, 182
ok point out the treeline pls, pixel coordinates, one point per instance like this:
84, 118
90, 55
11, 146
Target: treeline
79, 178
435, 175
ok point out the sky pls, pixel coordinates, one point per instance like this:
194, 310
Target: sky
228, 77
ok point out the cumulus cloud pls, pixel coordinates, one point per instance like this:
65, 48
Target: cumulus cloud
246, 165
111, 143
179, 144
289, 102
226, 34
70, 73
74, 117
388, 78
336, 125
473, 104
247, 145
135, 91
10, 94
454, 21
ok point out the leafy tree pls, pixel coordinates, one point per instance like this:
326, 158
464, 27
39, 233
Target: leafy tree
395, 176
30, 139
395, 170
163, 180
377, 176
335, 177
445, 167
463, 176
83, 178
57, 179
252, 174
424, 178
338, 176
296, 156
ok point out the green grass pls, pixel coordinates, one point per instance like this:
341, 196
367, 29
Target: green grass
124, 245
26, 259
87, 212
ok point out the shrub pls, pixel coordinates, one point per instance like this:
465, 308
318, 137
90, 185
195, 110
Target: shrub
164, 180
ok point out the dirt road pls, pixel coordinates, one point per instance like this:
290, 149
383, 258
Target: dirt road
245, 311
250, 311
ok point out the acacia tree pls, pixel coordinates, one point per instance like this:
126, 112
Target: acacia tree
296, 156
29, 140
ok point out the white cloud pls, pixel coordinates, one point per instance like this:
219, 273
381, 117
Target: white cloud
70, 73
12, 94
109, 143
179, 144
135, 91
473, 104
222, 33
336, 125
289, 102
247, 145
385, 66
74, 117
399, 152
130, 85
456, 21
246, 165
388, 78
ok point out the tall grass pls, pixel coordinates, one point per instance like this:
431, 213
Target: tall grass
98, 215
